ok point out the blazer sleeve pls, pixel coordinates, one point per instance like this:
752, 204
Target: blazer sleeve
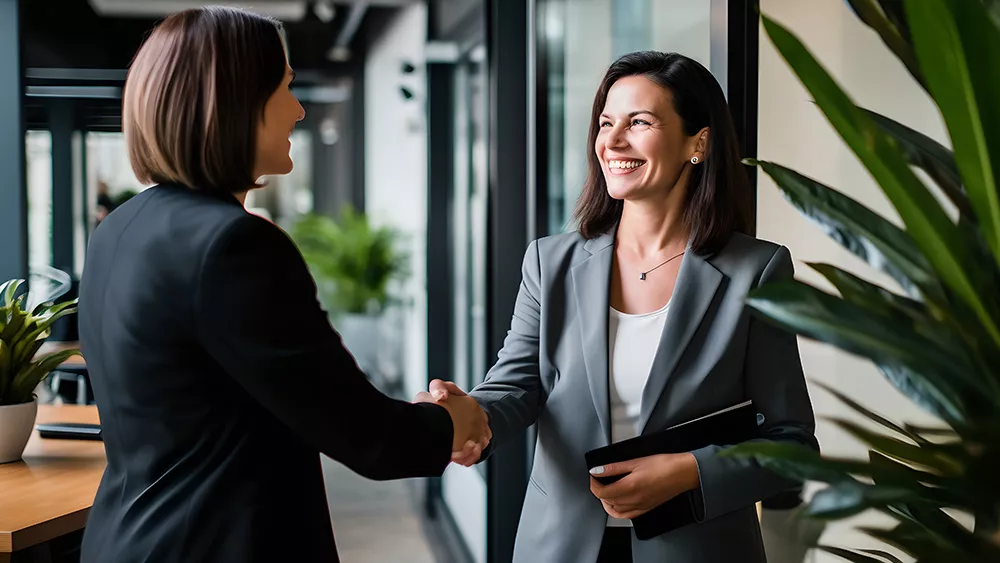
512, 393
258, 317
775, 382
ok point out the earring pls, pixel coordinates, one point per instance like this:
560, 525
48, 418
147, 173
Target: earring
695, 160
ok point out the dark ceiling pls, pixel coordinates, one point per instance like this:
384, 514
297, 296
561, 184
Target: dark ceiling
68, 34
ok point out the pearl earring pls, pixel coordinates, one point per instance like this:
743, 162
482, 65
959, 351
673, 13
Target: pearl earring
694, 160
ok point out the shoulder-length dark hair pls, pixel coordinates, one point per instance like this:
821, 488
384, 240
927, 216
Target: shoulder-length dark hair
718, 199
194, 94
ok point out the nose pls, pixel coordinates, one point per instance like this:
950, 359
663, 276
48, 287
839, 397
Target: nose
302, 111
616, 137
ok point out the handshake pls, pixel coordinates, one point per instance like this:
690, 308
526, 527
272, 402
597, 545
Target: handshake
472, 427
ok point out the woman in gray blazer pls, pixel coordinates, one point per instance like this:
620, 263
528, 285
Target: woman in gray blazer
637, 322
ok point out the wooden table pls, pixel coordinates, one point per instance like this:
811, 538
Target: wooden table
50, 492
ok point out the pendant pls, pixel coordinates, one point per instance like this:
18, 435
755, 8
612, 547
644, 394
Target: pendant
642, 276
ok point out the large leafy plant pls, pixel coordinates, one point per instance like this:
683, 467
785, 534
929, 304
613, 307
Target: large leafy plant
938, 339
22, 333
352, 261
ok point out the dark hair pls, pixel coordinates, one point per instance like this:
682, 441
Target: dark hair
194, 94
718, 200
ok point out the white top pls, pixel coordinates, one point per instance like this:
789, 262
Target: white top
632, 344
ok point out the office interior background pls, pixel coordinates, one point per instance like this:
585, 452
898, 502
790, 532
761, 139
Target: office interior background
460, 125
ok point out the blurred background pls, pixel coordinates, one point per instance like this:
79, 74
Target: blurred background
440, 137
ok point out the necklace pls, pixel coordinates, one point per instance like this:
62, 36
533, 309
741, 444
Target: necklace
642, 275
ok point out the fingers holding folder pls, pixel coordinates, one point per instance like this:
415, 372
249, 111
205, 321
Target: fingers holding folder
643, 483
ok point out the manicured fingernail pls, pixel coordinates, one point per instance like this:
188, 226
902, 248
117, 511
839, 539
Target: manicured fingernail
438, 395
597, 470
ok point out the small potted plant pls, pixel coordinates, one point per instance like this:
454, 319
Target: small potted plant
353, 264
22, 333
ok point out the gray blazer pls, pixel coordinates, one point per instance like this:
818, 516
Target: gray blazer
553, 370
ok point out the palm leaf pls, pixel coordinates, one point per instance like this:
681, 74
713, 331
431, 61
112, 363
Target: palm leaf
864, 233
935, 377
859, 408
891, 447
966, 93
848, 498
855, 556
872, 14
940, 240
931, 157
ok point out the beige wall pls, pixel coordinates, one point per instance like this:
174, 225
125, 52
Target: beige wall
794, 133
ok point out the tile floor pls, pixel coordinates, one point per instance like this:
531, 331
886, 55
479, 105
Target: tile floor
375, 522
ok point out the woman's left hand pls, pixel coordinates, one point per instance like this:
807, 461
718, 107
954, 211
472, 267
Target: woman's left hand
648, 483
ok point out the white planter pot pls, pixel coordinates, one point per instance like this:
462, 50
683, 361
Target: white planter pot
16, 424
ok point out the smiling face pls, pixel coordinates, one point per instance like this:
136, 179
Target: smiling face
641, 144
281, 113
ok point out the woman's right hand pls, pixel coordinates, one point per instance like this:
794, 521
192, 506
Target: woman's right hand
472, 429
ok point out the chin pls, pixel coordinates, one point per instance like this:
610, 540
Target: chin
620, 192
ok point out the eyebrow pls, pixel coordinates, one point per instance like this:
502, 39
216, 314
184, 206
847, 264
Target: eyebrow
634, 113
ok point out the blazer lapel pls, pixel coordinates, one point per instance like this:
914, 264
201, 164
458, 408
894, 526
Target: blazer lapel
592, 287
697, 283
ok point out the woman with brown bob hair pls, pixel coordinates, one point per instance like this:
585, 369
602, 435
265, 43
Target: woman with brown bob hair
636, 323
218, 377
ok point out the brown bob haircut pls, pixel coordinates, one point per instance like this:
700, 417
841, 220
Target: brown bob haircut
194, 95
718, 199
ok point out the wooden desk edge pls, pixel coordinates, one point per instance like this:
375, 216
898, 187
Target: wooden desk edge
42, 532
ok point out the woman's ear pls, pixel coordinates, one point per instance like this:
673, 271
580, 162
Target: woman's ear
699, 146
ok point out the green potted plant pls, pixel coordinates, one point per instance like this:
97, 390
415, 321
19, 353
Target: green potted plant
354, 264
938, 341
22, 333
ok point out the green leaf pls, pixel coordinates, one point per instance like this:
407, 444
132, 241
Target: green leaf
8, 289
872, 15
796, 461
942, 379
25, 382
849, 555
4, 377
947, 35
930, 430
857, 407
887, 556
914, 540
938, 525
847, 498
993, 7
931, 157
940, 240
900, 450
869, 236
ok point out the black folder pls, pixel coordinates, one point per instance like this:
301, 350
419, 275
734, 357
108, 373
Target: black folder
725, 427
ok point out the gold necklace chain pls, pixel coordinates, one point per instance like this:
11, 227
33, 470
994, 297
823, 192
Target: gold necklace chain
642, 275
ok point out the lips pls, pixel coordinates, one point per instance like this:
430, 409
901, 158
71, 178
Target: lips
621, 167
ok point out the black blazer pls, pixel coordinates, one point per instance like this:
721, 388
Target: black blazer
219, 381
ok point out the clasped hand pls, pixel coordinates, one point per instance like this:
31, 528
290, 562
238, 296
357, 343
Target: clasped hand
472, 427
647, 483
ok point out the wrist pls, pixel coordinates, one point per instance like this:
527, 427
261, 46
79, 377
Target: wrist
692, 479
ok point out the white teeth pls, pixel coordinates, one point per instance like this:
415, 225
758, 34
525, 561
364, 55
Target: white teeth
627, 164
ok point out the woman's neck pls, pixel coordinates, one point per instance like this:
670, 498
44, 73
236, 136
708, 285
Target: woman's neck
649, 228
241, 197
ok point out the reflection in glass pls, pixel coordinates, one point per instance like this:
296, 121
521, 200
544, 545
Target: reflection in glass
38, 152
471, 182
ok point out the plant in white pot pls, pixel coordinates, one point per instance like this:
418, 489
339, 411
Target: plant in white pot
353, 264
22, 333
